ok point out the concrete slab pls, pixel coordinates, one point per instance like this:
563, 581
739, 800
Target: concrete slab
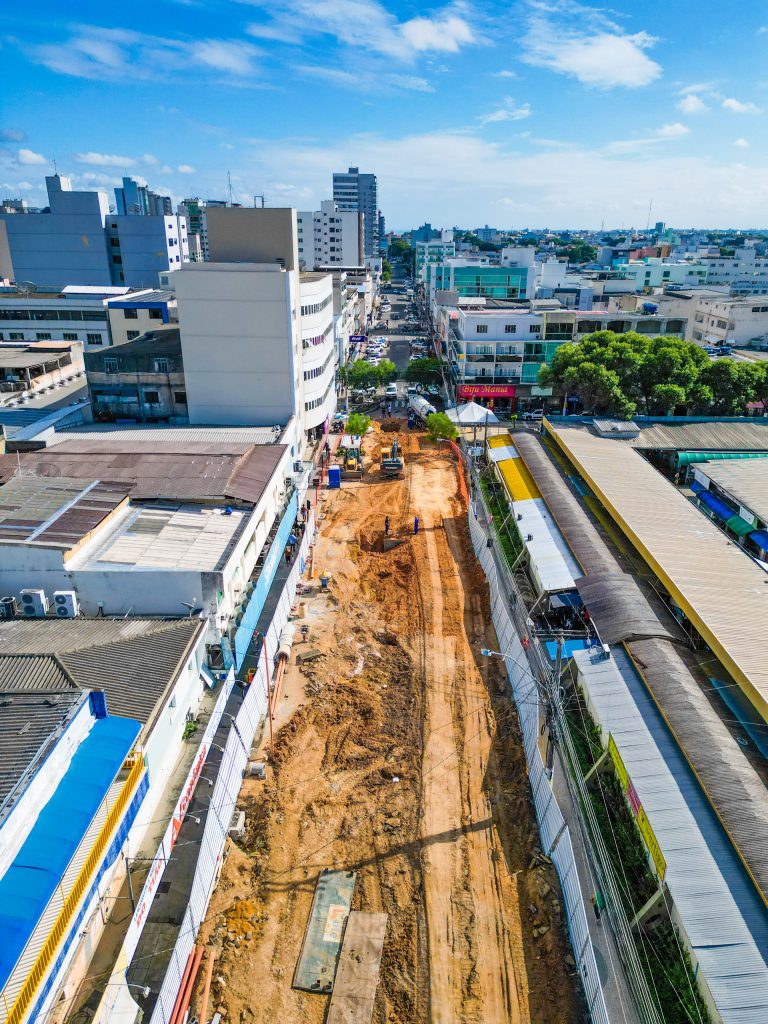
316, 968
357, 976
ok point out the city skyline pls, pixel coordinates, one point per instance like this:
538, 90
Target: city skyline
561, 114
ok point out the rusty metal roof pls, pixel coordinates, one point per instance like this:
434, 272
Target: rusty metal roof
154, 469
59, 512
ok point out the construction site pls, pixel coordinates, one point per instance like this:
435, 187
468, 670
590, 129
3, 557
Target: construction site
395, 800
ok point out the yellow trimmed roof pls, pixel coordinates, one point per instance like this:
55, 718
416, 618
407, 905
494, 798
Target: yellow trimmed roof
517, 479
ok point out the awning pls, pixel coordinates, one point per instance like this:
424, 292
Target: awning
696, 487
716, 505
739, 526
760, 537
565, 599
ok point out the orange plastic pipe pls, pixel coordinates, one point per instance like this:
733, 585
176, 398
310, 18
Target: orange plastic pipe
187, 992
207, 985
184, 985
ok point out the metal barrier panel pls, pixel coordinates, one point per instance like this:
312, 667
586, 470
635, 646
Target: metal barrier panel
224, 796
551, 823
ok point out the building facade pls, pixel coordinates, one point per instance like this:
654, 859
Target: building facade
72, 314
319, 350
134, 314
353, 191
330, 236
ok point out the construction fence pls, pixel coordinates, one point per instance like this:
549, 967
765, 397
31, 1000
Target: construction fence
510, 622
225, 793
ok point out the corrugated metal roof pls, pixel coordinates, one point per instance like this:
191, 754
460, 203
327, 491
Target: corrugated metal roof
29, 720
552, 565
60, 511
132, 660
716, 436
687, 553
746, 480
173, 469
717, 910
141, 432
617, 603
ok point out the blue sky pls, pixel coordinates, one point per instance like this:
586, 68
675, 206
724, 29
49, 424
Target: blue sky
530, 113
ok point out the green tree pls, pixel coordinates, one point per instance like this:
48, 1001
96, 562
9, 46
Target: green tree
362, 375
440, 427
387, 371
733, 385
386, 271
667, 397
577, 252
424, 371
400, 249
357, 424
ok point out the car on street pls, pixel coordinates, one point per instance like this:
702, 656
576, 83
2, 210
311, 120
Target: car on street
391, 391
433, 391
533, 414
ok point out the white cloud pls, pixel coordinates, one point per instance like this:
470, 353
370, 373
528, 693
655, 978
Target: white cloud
504, 74
122, 55
446, 35
741, 143
672, 131
150, 158
369, 25
186, 169
692, 103
508, 111
366, 79
105, 160
12, 135
579, 41
737, 107
28, 156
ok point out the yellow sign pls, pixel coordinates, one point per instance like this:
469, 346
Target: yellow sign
651, 842
621, 771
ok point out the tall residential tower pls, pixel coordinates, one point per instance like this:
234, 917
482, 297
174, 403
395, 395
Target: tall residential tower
355, 191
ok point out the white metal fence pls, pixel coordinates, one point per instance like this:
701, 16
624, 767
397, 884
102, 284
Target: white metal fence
555, 835
225, 793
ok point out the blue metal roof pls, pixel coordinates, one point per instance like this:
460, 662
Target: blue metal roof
28, 884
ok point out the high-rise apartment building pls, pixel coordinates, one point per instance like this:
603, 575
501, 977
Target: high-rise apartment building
330, 236
138, 200
355, 191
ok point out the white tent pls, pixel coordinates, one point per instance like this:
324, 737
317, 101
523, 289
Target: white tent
471, 414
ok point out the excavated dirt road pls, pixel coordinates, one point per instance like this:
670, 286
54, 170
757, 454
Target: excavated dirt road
401, 761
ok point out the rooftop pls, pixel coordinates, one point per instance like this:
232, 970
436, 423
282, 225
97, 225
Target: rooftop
171, 469
166, 338
142, 298
133, 660
750, 435
746, 480
684, 549
57, 512
146, 433
174, 537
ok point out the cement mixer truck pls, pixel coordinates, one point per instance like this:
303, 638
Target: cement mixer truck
420, 407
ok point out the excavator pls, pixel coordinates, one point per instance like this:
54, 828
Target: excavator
392, 464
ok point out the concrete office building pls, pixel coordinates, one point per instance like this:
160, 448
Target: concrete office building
134, 199
319, 352
135, 313
353, 191
76, 313
79, 242
67, 245
330, 236
193, 211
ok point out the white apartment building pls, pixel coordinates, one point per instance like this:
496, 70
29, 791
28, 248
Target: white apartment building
330, 236
319, 350
134, 314
737, 321
76, 313
140, 248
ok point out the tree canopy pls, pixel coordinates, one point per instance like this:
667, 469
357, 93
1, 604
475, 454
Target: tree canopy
625, 374
357, 424
439, 427
423, 371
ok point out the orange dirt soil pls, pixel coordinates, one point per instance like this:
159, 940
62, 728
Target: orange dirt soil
402, 761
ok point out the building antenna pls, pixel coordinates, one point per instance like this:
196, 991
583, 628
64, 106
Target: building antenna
229, 186
650, 207
55, 167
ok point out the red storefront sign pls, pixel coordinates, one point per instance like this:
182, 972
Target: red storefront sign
486, 390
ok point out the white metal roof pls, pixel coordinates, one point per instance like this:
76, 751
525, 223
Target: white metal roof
551, 561
724, 934
745, 479
139, 432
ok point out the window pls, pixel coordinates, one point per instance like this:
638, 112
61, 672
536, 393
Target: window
481, 329
317, 307
161, 364
152, 397
131, 314
111, 364
43, 337
117, 259
155, 314
115, 243
510, 328
94, 339
16, 336
70, 336
133, 334
535, 328
180, 397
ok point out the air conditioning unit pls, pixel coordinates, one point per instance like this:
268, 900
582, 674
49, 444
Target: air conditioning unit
298, 466
34, 603
237, 828
65, 604
8, 608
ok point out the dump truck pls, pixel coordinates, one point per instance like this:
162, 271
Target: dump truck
391, 459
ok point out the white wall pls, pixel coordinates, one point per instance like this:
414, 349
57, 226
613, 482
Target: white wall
318, 357
240, 343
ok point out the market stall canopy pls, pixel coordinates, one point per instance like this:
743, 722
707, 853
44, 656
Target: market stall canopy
471, 414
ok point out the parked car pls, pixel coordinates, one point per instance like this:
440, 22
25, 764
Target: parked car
533, 414
433, 391
391, 391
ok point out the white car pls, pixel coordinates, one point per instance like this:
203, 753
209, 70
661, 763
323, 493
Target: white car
391, 391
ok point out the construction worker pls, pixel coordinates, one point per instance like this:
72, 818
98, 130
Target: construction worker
386, 526
416, 525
